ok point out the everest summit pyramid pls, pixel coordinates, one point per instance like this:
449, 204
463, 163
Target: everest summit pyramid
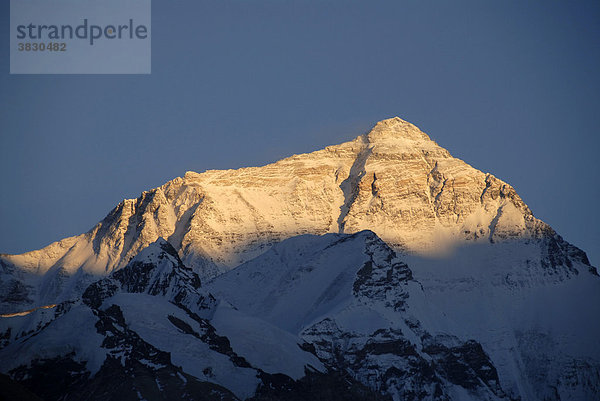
381, 268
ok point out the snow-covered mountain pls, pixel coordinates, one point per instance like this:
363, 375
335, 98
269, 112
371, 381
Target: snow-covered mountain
394, 325
146, 332
454, 291
357, 306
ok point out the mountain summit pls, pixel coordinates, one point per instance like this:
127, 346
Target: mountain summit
393, 180
396, 128
401, 271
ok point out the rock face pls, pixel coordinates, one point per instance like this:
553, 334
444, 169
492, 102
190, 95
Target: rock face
382, 268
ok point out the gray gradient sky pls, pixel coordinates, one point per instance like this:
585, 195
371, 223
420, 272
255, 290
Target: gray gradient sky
511, 87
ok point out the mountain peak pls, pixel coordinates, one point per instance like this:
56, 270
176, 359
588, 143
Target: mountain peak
396, 128
394, 180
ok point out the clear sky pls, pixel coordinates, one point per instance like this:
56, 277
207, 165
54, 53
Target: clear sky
511, 87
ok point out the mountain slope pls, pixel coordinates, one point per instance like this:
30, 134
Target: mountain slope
357, 306
491, 306
148, 326
154, 329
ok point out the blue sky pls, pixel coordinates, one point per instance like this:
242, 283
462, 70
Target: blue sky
510, 87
